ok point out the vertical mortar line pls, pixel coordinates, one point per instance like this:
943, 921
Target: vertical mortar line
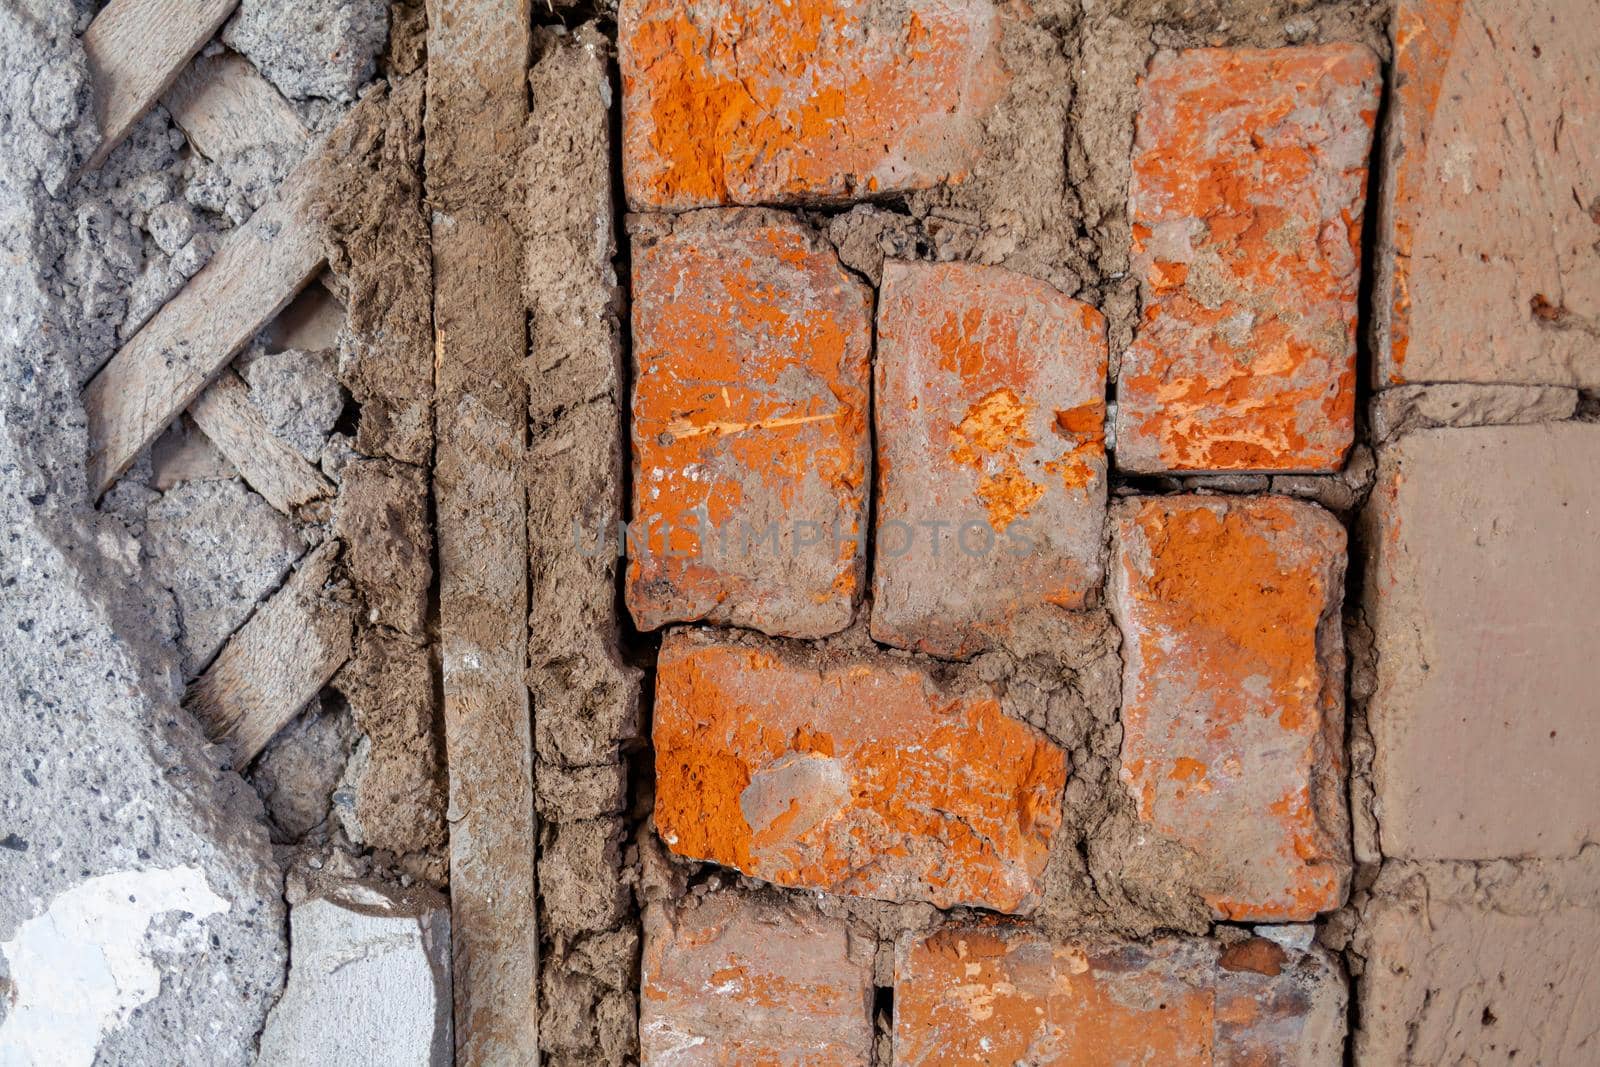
640, 649
1372, 221
476, 112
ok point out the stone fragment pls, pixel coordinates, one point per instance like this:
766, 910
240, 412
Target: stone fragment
311, 48
750, 436
1488, 258
1233, 694
860, 775
369, 979
1003, 993
730, 979
990, 413
743, 102
1248, 181
298, 772
220, 548
1483, 594
298, 394
139, 893
1405, 408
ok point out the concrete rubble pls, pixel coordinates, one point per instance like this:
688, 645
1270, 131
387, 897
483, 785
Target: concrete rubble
104, 780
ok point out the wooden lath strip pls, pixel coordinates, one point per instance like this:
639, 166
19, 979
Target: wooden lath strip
159, 372
274, 664
260, 267
136, 50
270, 466
476, 111
225, 108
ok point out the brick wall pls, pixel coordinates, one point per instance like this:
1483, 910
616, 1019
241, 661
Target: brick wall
898, 494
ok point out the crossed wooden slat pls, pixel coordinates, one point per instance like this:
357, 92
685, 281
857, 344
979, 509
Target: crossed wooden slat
298, 639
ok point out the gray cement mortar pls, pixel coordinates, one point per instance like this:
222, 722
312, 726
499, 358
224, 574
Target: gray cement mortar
101, 772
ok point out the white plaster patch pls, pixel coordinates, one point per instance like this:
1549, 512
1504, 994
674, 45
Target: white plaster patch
78, 970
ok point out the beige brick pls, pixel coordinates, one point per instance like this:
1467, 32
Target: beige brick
1489, 249
1482, 965
1484, 598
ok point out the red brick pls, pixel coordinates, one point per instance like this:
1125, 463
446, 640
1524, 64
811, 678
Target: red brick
1232, 701
1490, 205
860, 775
1002, 993
991, 418
750, 410
750, 102
732, 980
1248, 185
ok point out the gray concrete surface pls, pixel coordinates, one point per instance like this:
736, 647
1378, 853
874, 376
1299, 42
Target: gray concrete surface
107, 789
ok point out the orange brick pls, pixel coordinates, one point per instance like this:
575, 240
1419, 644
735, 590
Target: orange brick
749, 421
860, 775
732, 980
1002, 993
1246, 200
1490, 207
990, 412
750, 102
1232, 699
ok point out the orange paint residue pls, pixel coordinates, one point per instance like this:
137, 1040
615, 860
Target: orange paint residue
1227, 698
860, 779
748, 407
960, 343
1245, 358
752, 102
1424, 38
993, 437
1080, 465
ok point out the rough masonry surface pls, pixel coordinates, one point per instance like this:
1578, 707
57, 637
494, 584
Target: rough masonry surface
1249, 174
750, 435
860, 775
990, 414
1001, 993
729, 979
746, 102
1233, 709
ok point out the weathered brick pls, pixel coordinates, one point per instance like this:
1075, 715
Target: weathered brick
1002, 993
1232, 703
750, 416
1246, 199
749, 102
1480, 964
860, 775
1483, 594
990, 413
732, 980
1488, 264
